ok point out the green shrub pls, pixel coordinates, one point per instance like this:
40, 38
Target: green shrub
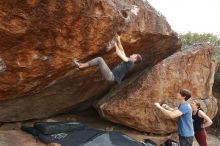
192, 38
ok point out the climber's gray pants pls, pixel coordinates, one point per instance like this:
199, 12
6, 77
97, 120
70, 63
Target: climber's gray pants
105, 70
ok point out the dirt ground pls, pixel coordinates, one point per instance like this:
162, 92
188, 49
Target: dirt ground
212, 140
95, 121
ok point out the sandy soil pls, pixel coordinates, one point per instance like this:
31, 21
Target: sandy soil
93, 120
212, 140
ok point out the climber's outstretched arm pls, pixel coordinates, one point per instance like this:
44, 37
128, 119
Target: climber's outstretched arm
120, 53
119, 49
118, 40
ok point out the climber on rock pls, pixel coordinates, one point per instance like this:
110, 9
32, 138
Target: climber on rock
118, 73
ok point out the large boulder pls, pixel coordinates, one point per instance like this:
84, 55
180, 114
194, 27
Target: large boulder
216, 86
133, 105
40, 38
216, 93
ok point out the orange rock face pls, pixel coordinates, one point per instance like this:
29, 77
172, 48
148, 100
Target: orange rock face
39, 38
133, 105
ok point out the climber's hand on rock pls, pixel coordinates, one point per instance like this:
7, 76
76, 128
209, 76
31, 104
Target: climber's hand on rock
157, 104
165, 106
